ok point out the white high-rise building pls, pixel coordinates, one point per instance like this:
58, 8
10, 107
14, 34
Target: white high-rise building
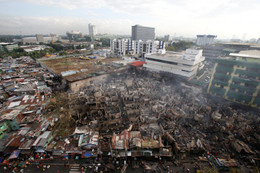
92, 30
139, 47
185, 64
203, 40
122, 46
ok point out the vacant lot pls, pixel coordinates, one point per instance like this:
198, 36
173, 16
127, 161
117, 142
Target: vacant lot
77, 64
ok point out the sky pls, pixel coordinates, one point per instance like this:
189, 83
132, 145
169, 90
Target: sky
225, 18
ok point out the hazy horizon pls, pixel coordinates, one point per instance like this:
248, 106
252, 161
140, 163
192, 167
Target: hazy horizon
225, 18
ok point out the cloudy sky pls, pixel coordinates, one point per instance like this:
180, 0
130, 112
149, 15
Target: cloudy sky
224, 18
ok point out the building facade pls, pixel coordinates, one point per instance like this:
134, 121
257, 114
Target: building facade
39, 38
167, 38
258, 41
236, 78
184, 64
138, 48
92, 30
73, 35
143, 33
203, 40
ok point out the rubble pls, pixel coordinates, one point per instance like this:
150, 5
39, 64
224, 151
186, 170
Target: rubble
129, 115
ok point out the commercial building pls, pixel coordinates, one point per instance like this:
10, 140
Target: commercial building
184, 64
8, 46
224, 49
73, 35
29, 40
39, 38
92, 30
258, 41
143, 33
214, 51
167, 38
236, 78
122, 46
203, 40
138, 47
32, 48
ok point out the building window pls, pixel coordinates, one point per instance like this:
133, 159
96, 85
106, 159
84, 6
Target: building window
187, 65
162, 61
186, 71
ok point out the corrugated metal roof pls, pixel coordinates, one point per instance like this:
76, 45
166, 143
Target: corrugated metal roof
138, 63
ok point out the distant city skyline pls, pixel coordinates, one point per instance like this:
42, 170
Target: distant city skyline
228, 19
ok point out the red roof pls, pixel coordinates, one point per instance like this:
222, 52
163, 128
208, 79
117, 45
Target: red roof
138, 63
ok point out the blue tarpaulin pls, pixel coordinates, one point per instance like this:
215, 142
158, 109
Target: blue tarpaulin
88, 154
40, 151
15, 154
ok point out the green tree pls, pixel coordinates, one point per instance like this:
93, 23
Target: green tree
62, 53
180, 46
105, 42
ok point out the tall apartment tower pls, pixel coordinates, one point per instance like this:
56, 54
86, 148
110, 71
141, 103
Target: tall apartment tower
92, 30
143, 33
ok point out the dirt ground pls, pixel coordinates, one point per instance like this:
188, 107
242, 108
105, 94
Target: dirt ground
75, 63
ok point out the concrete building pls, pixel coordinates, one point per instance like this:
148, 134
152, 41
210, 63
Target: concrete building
142, 33
39, 38
29, 40
217, 50
185, 64
236, 78
214, 51
92, 30
203, 40
258, 41
138, 48
148, 47
73, 35
121, 46
167, 38
8, 46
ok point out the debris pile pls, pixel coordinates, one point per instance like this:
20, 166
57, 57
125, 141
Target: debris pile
130, 115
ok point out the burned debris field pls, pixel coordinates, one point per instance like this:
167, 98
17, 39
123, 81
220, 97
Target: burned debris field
141, 115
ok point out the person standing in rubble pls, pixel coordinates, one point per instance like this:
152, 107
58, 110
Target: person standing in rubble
5, 169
